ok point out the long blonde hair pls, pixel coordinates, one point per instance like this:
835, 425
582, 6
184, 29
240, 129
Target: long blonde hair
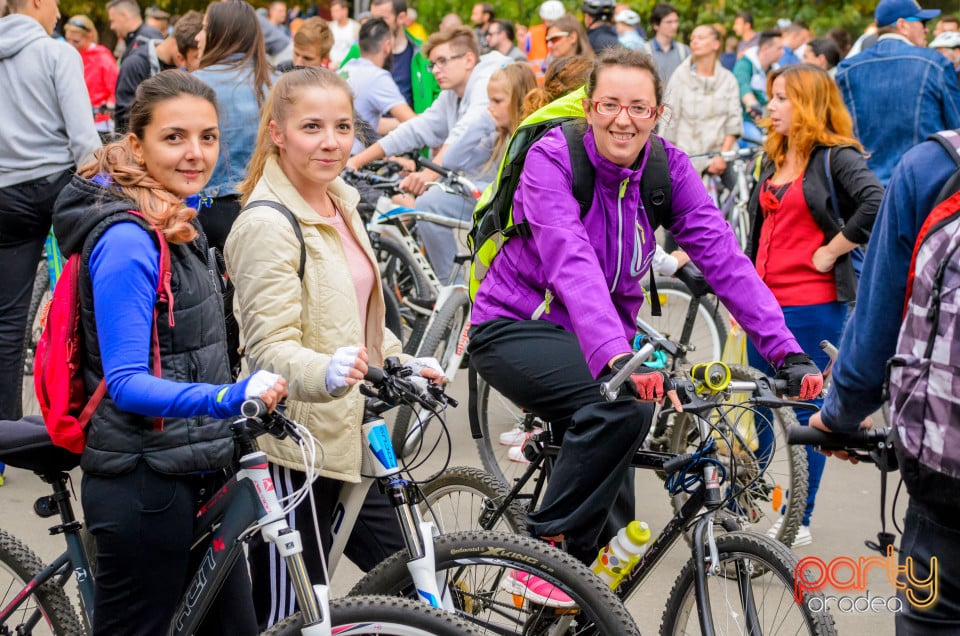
563, 75
283, 95
518, 78
116, 161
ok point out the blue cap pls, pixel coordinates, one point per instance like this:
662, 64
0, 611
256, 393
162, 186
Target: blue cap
889, 11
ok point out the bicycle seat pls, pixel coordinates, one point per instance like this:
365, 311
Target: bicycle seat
26, 444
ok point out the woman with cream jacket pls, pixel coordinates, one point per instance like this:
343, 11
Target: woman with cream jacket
322, 329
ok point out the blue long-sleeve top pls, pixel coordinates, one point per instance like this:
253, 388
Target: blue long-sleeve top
125, 269
870, 338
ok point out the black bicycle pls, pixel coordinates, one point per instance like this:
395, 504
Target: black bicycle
736, 581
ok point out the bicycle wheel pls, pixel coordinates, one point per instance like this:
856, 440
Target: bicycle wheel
18, 565
499, 416
772, 485
755, 585
474, 565
708, 331
389, 615
38, 298
440, 342
458, 498
401, 275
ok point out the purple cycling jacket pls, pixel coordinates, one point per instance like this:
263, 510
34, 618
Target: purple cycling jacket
586, 274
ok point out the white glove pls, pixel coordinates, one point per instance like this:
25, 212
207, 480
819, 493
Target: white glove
339, 370
258, 383
417, 365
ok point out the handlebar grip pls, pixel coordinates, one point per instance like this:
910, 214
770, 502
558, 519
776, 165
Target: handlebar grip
429, 165
863, 439
253, 408
374, 375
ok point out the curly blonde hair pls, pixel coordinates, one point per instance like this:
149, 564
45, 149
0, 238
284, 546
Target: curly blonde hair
116, 161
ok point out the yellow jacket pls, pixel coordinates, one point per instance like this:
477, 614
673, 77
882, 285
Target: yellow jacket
293, 327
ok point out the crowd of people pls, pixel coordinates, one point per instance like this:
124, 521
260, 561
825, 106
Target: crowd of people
207, 124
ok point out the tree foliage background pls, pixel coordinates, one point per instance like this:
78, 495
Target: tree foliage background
821, 15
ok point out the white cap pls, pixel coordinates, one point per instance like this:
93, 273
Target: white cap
552, 10
627, 16
946, 40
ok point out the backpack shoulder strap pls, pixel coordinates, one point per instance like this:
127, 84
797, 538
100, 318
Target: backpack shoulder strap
950, 140
152, 56
583, 172
282, 209
656, 188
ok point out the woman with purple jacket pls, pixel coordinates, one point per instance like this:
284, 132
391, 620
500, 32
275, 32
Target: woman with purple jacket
558, 307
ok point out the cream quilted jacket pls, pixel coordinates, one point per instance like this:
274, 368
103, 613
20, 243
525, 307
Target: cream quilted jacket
292, 327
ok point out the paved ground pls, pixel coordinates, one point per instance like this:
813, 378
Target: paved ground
847, 515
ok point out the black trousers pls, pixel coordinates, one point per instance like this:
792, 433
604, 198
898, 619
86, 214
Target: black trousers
375, 536
25, 213
143, 524
217, 219
540, 367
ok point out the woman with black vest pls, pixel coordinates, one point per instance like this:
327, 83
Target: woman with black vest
160, 436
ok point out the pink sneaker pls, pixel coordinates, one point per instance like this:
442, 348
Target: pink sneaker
534, 589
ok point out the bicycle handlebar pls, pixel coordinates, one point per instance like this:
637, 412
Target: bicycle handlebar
864, 444
395, 383
729, 155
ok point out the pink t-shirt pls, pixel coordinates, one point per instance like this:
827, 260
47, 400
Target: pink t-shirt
361, 270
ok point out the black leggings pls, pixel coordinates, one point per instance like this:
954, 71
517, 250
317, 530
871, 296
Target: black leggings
143, 524
591, 494
375, 536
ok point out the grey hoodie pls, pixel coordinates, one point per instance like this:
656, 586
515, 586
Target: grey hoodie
463, 125
44, 105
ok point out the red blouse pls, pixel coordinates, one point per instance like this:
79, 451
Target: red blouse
788, 238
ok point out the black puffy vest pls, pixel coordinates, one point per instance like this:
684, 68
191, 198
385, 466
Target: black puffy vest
193, 349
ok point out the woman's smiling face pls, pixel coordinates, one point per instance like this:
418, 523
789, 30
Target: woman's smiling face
620, 138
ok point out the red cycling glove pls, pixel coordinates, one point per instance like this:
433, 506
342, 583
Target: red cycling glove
645, 384
803, 378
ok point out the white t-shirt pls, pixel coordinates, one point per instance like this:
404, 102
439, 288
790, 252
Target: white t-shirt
344, 37
374, 90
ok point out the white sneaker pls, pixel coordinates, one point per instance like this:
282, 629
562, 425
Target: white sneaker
775, 528
517, 436
803, 537
515, 454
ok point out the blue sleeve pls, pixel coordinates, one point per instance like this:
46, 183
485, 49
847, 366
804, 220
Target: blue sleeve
870, 338
125, 268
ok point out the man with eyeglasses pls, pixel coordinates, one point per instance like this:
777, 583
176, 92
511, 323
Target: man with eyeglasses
458, 124
500, 37
898, 91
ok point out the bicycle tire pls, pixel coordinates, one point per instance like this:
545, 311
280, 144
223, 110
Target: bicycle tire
496, 414
18, 565
440, 342
769, 564
709, 332
474, 563
781, 489
456, 499
38, 297
402, 276
387, 615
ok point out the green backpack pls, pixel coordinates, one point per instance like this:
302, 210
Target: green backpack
493, 221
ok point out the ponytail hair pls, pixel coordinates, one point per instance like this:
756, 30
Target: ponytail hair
116, 161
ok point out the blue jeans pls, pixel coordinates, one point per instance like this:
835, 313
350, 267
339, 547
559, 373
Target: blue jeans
931, 533
809, 324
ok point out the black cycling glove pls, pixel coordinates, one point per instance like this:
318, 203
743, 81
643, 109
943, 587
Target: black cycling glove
803, 378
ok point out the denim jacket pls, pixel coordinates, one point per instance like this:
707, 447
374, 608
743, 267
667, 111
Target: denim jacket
239, 120
898, 94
